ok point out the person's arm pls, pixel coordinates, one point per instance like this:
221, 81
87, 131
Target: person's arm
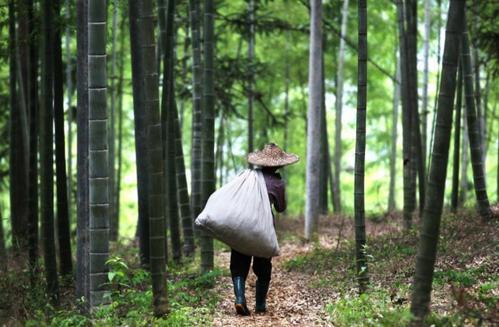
279, 196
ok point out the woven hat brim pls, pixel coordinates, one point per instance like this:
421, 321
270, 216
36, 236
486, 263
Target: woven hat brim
261, 160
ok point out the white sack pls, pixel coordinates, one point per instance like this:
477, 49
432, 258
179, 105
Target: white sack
239, 215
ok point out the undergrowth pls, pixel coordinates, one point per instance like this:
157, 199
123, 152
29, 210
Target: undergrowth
465, 284
192, 299
374, 308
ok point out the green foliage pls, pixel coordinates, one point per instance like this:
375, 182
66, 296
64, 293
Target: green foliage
118, 270
485, 27
449, 320
185, 317
462, 278
319, 260
374, 308
324, 260
64, 319
191, 298
465, 284
487, 293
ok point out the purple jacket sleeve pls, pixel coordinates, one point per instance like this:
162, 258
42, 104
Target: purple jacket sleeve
276, 189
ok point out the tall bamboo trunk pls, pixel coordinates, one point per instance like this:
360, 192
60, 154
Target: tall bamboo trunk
82, 248
418, 161
487, 125
33, 145
208, 157
328, 174
3, 252
251, 78
114, 219
330, 177
98, 152
120, 118
323, 162
474, 132
18, 156
480, 109
69, 97
393, 152
219, 155
182, 191
339, 108
23, 51
185, 59
63, 223
407, 140
426, 56
314, 119
46, 153
230, 152
140, 121
142, 13
22, 58
168, 120
360, 150
427, 249
457, 139
439, 27
463, 193
287, 110
197, 118
286, 107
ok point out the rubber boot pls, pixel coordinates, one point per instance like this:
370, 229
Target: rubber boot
240, 304
261, 287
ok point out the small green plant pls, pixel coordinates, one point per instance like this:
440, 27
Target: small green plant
369, 309
320, 259
70, 319
118, 272
462, 278
449, 320
487, 293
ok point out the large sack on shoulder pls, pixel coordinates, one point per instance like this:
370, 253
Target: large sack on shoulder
239, 215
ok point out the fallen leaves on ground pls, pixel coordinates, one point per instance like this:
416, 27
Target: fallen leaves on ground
290, 302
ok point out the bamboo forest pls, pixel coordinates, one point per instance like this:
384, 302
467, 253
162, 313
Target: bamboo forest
249, 163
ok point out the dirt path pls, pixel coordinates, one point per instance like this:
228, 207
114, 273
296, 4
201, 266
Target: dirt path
290, 301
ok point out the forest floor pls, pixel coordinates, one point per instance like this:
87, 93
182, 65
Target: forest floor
313, 284
292, 301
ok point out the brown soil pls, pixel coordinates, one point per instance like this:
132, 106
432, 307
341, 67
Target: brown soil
290, 301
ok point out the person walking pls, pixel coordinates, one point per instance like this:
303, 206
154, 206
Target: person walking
269, 160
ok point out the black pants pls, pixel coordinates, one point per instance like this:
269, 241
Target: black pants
240, 265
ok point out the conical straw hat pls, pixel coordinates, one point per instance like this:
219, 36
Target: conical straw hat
272, 156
